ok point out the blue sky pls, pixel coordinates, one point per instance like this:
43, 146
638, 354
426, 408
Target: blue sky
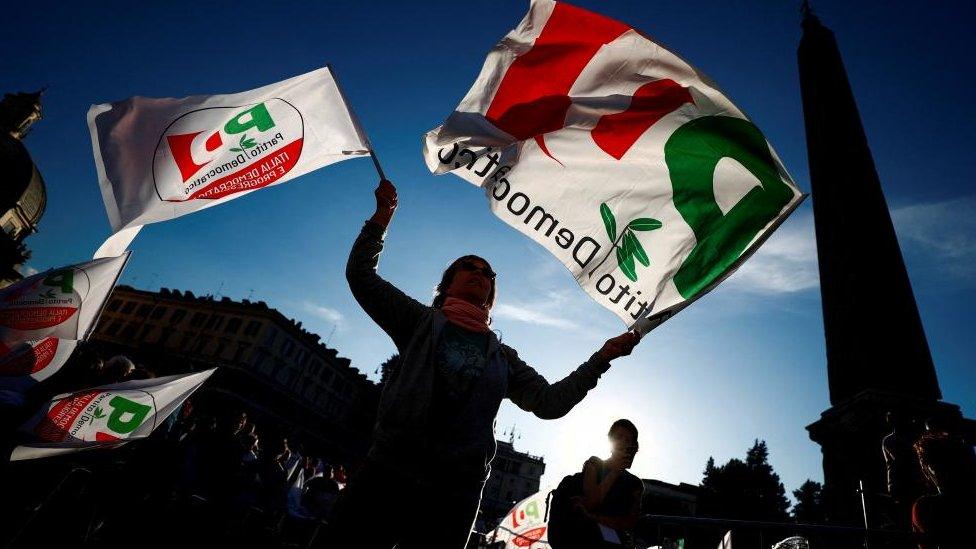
745, 362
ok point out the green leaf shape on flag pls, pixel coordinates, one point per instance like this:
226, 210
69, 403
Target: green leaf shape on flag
644, 224
635, 248
99, 413
626, 263
609, 221
249, 143
235, 149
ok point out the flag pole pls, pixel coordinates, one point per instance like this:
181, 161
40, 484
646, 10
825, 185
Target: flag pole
355, 123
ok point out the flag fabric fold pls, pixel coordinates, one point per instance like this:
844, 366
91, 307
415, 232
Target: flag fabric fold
159, 159
105, 416
617, 156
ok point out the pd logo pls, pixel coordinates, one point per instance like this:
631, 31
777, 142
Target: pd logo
101, 416
216, 152
43, 301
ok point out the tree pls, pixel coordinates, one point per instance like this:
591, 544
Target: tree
809, 506
388, 367
744, 490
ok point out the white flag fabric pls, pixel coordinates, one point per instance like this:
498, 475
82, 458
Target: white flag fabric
61, 303
618, 157
105, 416
726, 542
525, 525
26, 363
158, 159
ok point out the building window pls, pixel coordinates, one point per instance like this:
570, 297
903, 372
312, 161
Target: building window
146, 328
159, 312
220, 349
113, 328
128, 307
129, 331
233, 325
272, 336
300, 359
144, 310
177, 316
215, 322
287, 347
252, 327
197, 319
114, 305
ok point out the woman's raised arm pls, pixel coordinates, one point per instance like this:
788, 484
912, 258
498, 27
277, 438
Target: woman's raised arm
394, 311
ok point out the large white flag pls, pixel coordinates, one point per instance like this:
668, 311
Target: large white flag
618, 157
525, 525
61, 303
105, 416
158, 159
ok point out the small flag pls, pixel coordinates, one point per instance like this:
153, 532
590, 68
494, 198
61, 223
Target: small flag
525, 525
62, 303
158, 159
618, 157
106, 416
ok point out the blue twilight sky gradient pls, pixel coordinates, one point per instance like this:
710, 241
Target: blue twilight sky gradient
746, 361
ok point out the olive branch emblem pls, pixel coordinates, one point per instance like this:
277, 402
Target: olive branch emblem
99, 413
627, 246
245, 143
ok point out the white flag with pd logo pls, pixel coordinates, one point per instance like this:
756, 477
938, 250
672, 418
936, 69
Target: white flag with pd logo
158, 159
617, 156
61, 303
105, 416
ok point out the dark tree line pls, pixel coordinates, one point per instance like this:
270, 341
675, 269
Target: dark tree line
751, 490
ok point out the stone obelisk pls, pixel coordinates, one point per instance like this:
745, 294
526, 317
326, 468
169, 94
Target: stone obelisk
878, 358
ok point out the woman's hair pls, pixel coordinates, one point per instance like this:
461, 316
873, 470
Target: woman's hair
625, 424
448, 277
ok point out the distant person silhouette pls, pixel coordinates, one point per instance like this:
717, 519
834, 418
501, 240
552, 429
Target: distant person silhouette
600, 506
421, 483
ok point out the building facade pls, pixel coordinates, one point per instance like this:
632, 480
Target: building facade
23, 196
514, 476
268, 364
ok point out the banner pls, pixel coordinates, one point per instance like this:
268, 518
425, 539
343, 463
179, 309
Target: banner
105, 416
61, 303
525, 526
27, 363
158, 159
618, 157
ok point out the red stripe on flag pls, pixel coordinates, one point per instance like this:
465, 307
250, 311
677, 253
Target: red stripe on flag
617, 133
533, 97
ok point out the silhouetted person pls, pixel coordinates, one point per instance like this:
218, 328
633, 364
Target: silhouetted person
900, 462
600, 506
945, 516
117, 369
434, 432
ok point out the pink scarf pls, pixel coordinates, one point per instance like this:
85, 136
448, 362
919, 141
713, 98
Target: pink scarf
464, 314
